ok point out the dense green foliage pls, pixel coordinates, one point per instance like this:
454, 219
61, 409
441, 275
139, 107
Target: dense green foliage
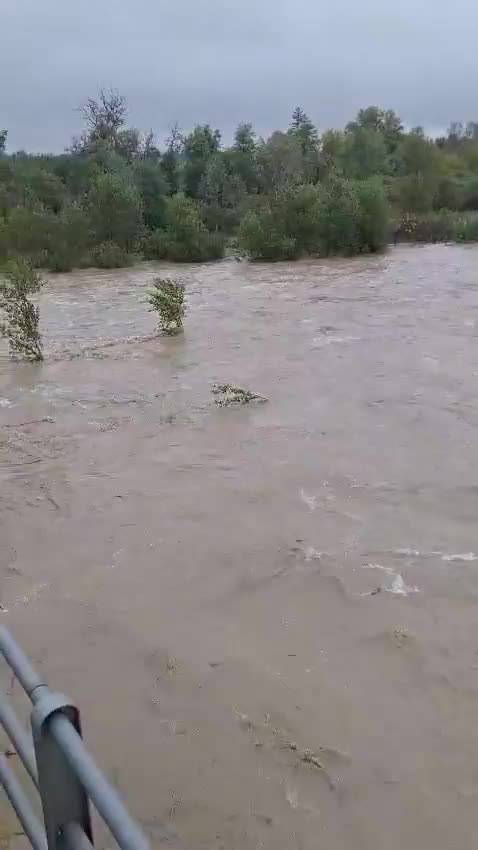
185, 237
441, 226
339, 216
19, 318
167, 298
115, 195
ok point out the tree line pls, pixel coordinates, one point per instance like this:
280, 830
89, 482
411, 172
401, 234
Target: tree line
114, 195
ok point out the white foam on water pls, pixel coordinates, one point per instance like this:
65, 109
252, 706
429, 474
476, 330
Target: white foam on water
321, 341
389, 570
36, 591
311, 554
465, 556
308, 499
411, 553
415, 553
400, 588
5, 402
398, 585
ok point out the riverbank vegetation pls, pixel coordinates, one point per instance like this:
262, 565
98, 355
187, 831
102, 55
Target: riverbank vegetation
115, 196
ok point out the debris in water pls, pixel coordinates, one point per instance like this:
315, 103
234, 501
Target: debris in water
400, 637
229, 394
48, 419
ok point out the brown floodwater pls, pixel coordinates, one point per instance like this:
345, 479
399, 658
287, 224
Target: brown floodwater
268, 614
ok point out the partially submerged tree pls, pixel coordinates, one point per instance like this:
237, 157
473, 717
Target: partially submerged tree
167, 299
20, 324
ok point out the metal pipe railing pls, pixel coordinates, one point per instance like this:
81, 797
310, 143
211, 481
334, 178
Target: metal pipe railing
20, 802
60, 767
18, 661
18, 737
105, 799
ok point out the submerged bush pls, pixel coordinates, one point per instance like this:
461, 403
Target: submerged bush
373, 224
109, 255
21, 320
186, 238
261, 237
339, 217
283, 227
229, 395
58, 242
28, 233
167, 299
467, 227
155, 245
442, 226
115, 210
70, 240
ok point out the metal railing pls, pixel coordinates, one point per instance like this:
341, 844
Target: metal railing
60, 768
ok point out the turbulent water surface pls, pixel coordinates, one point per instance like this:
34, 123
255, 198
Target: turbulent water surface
268, 613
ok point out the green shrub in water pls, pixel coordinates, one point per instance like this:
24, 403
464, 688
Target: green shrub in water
21, 318
167, 299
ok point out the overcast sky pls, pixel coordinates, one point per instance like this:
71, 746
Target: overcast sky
225, 61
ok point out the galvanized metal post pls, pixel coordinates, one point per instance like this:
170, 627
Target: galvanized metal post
63, 796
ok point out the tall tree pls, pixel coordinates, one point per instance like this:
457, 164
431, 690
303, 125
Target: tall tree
280, 162
242, 159
115, 209
199, 146
104, 117
153, 186
420, 170
171, 160
304, 130
244, 138
363, 153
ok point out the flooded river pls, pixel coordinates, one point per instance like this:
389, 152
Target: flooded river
268, 614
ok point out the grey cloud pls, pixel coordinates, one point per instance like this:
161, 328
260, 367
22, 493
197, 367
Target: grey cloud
224, 61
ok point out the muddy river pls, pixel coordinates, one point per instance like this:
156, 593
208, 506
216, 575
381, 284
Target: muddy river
268, 614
